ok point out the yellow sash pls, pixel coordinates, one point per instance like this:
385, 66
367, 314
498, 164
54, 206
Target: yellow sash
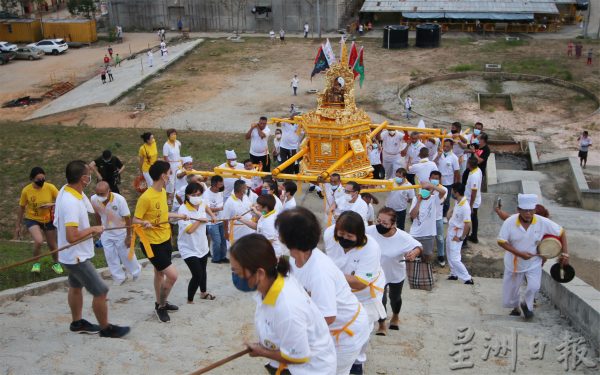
137, 230
372, 287
337, 332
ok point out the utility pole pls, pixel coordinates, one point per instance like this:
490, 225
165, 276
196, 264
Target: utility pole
319, 18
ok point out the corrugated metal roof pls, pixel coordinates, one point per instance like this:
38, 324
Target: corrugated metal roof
499, 6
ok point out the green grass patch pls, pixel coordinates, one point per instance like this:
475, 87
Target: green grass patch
539, 66
463, 68
53, 146
502, 45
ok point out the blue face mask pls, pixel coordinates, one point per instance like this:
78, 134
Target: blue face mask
241, 284
399, 180
476, 131
425, 193
435, 182
476, 141
264, 192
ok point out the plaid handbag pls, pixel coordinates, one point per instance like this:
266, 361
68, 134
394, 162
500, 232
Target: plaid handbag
419, 274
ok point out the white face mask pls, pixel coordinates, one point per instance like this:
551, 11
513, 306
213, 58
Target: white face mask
195, 200
349, 198
232, 163
102, 199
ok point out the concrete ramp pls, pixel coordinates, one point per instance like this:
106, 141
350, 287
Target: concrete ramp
130, 74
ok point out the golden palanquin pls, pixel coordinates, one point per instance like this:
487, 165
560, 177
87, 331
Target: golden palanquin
337, 131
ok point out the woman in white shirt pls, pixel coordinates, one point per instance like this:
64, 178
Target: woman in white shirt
396, 246
172, 155
358, 256
265, 211
291, 330
192, 241
348, 321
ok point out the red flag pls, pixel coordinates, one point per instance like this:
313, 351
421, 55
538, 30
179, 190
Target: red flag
359, 67
353, 56
320, 63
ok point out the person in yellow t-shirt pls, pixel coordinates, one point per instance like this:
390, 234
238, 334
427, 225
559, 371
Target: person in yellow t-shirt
152, 212
36, 206
148, 155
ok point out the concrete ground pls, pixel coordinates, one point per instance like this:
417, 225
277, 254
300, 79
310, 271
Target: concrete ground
36, 340
126, 76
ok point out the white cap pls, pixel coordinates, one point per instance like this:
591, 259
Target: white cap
527, 201
230, 154
186, 159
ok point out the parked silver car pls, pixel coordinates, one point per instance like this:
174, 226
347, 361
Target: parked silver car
29, 53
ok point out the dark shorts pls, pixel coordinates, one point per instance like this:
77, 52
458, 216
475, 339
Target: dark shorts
162, 255
583, 154
84, 275
43, 226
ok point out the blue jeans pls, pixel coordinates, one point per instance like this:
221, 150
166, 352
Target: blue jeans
439, 238
216, 233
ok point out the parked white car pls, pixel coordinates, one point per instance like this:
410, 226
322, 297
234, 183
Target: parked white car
53, 46
7, 47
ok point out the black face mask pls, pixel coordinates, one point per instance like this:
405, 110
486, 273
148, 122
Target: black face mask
347, 244
39, 183
454, 131
222, 188
381, 229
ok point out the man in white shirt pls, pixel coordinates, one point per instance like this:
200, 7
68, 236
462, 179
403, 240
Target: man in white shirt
290, 139
354, 201
374, 152
449, 167
294, 84
411, 152
433, 145
423, 212
72, 223
408, 106
172, 155
230, 164
287, 197
111, 211
182, 172
458, 228
254, 182
392, 145
423, 168
459, 146
519, 236
435, 178
213, 198
400, 200
238, 204
270, 187
473, 195
334, 197
305, 30
258, 134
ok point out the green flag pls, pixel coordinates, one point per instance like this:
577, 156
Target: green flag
359, 67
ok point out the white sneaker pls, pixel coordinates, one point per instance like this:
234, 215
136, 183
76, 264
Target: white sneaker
445, 220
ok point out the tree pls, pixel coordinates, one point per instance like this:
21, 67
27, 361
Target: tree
81, 7
9, 6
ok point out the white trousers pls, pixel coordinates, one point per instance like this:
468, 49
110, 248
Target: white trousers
457, 268
148, 179
345, 360
390, 166
116, 253
511, 284
375, 311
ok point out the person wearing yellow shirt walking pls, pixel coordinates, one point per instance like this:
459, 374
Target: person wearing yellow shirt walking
152, 213
35, 211
148, 155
